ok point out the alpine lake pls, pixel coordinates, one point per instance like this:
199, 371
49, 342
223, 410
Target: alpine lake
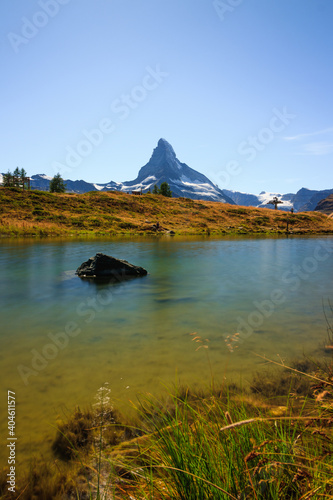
207, 307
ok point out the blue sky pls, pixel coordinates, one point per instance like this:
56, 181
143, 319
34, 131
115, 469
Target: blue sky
242, 89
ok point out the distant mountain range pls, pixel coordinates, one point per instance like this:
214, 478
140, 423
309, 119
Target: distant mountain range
184, 181
303, 200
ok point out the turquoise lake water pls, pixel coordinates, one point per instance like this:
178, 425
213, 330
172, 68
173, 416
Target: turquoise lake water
62, 338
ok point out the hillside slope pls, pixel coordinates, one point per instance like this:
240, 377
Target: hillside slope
326, 206
112, 213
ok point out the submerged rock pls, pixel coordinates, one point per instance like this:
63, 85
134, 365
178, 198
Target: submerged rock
107, 267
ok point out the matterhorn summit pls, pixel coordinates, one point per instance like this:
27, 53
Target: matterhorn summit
164, 166
164, 148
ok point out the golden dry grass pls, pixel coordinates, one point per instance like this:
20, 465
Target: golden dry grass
39, 213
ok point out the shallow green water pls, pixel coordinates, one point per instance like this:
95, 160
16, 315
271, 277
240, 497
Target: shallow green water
62, 338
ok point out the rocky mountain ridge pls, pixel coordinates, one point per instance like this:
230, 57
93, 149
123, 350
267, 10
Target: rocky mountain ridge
326, 205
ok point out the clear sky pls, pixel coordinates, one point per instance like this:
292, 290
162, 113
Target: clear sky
242, 89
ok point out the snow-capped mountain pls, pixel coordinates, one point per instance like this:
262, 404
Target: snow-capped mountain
303, 200
260, 200
164, 166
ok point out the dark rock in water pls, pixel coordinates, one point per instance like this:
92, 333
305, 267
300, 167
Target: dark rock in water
105, 267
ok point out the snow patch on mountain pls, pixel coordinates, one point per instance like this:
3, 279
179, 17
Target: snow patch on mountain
99, 187
185, 179
150, 178
46, 177
264, 199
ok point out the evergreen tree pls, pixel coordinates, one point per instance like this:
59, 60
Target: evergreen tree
57, 184
23, 175
7, 179
17, 177
165, 190
155, 189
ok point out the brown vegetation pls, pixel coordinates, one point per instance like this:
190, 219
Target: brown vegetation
326, 206
39, 213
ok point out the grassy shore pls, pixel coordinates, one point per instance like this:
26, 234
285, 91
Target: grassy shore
39, 213
273, 440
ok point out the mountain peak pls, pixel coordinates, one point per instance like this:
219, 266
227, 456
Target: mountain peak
164, 166
162, 143
165, 148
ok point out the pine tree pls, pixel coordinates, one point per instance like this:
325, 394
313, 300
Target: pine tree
155, 189
7, 179
57, 184
23, 176
17, 177
165, 190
